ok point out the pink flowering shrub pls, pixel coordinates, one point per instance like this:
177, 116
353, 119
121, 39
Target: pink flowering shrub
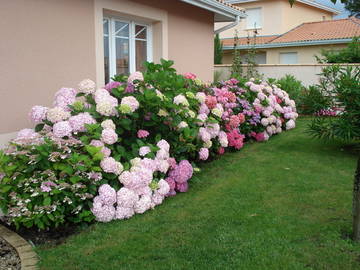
113, 152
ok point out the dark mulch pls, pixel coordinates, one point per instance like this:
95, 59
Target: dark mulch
9, 259
45, 237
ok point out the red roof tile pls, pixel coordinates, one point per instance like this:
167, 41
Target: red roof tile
324, 30
250, 40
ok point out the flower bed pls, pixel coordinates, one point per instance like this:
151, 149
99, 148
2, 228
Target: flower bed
113, 152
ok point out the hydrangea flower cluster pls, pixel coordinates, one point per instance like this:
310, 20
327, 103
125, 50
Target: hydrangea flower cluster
137, 131
140, 192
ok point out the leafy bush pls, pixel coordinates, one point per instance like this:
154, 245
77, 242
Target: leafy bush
54, 185
117, 151
343, 85
293, 86
312, 100
350, 54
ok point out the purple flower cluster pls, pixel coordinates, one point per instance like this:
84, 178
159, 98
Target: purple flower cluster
179, 176
77, 122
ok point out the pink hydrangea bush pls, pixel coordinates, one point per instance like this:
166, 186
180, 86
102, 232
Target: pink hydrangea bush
124, 148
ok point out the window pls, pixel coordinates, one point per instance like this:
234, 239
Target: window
254, 18
127, 45
289, 58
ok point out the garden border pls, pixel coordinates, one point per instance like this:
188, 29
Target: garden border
28, 257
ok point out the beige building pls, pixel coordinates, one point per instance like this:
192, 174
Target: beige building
300, 45
49, 44
275, 17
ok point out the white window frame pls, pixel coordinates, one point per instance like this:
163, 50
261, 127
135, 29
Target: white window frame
296, 54
132, 43
260, 18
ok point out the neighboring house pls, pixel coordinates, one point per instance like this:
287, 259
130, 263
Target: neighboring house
48, 44
299, 45
275, 17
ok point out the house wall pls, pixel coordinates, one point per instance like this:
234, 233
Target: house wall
300, 13
308, 74
182, 32
49, 44
270, 24
45, 45
278, 17
306, 54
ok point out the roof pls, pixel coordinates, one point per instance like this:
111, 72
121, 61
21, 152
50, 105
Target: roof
306, 2
324, 30
312, 33
242, 41
223, 11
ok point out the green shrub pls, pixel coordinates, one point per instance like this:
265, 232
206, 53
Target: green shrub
29, 199
350, 54
343, 85
313, 100
292, 86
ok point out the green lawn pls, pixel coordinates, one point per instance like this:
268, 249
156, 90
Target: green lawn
283, 204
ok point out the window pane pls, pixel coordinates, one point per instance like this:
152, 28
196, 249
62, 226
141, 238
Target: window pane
106, 26
121, 29
141, 54
106, 59
253, 19
122, 56
288, 58
140, 31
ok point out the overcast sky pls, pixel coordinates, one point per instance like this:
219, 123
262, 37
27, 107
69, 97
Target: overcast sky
339, 6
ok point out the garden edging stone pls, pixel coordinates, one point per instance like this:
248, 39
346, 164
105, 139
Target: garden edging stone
27, 256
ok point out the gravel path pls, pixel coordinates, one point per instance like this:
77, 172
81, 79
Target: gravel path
9, 259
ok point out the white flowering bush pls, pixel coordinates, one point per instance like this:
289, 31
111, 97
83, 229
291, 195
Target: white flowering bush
117, 151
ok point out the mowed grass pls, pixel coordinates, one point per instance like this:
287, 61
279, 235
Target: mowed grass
283, 204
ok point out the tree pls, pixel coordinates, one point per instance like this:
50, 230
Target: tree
354, 7
350, 54
218, 50
343, 85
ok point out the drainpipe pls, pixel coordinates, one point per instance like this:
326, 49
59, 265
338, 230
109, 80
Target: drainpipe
226, 27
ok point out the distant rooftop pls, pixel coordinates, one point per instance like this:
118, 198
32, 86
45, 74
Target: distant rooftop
311, 33
307, 2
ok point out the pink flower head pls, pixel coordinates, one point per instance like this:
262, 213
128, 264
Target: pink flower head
62, 129
204, 109
26, 133
102, 211
135, 76
144, 150
241, 118
204, 153
111, 85
260, 137
38, 113
182, 172
235, 139
172, 162
65, 97
126, 198
210, 102
234, 121
77, 122
221, 150
107, 194
182, 187
130, 102
142, 133
110, 165
190, 76
109, 136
